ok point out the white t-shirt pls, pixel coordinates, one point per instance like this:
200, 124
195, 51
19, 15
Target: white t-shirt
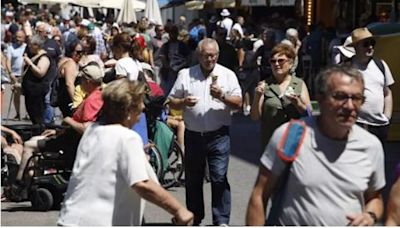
227, 23
15, 54
110, 159
371, 112
209, 113
128, 67
328, 179
239, 28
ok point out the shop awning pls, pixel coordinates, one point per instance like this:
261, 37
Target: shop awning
219, 4
195, 5
282, 2
254, 3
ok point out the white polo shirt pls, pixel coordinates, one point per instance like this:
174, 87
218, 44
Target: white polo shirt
209, 114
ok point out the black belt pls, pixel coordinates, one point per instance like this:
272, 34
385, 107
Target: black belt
220, 131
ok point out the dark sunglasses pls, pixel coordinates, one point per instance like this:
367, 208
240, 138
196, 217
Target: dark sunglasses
279, 61
357, 99
369, 43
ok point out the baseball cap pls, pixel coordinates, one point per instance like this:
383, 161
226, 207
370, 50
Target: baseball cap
92, 72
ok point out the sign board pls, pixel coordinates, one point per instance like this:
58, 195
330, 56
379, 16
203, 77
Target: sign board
282, 2
254, 3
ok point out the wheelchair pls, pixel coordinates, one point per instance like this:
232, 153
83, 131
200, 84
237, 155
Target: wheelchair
44, 182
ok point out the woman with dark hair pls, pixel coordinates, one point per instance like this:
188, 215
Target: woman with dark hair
89, 47
127, 56
68, 69
126, 177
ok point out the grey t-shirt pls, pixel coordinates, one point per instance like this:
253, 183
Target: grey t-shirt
329, 178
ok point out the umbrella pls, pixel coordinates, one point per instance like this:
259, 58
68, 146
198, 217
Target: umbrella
127, 13
152, 11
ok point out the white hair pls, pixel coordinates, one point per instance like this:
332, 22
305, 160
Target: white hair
292, 32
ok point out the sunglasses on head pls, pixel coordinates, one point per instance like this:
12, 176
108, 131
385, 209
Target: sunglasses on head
369, 43
279, 61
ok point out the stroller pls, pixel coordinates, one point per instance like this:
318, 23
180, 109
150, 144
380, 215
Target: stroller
166, 156
45, 188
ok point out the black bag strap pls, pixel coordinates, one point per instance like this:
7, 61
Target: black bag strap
379, 64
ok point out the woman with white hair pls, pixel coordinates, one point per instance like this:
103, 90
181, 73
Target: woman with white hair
111, 177
292, 39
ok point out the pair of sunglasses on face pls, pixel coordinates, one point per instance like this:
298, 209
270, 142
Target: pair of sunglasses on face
369, 43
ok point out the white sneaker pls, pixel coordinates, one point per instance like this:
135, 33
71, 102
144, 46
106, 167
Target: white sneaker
246, 110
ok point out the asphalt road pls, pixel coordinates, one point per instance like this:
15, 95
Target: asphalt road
242, 172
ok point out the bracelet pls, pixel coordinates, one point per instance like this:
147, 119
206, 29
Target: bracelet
373, 216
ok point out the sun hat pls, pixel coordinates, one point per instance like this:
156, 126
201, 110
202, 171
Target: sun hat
360, 34
85, 22
225, 13
92, 72
346, 49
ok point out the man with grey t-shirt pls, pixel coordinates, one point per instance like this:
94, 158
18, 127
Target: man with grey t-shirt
338, 175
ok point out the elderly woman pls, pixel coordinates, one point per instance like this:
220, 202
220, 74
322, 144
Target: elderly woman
68, 69
39, 72
111, 175
279, 98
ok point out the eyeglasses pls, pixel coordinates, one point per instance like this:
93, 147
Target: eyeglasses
357, 99
369, 43
279, 61
79, 52
212, 56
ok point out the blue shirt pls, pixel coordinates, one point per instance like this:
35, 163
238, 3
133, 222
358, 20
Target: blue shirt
15, 54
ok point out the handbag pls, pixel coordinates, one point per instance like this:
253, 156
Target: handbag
288, 149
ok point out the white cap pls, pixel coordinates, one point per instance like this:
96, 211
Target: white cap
292, 32
9, 14
346, 49
85, 22
225, 13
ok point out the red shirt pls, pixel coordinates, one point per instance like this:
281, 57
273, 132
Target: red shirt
89, 108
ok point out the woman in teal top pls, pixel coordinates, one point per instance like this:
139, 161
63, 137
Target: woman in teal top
279, 98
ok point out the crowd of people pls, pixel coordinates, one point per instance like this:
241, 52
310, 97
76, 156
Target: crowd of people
97, 76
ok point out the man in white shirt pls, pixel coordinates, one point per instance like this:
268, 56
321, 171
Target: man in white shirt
376, 112
226, 22
238, 26
207, 93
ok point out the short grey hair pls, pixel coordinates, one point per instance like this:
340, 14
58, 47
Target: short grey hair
207, 41
37, 39
322, 79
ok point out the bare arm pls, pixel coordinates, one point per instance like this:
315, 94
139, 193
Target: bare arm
41, 68
70, 73
255, 215
156, 194
234, 102
374, 203
301, 102
388, 106
256, 107
393, 208
241, 55
16, 137
77, 126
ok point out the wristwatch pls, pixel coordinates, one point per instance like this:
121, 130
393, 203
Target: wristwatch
373, 216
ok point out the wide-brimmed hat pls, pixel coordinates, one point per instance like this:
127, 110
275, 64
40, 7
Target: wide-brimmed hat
225, 13
346, 49
360, 34
92, 72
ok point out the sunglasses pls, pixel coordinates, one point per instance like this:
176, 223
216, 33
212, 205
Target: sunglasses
279, 61
342, 97
369, 43
79, 52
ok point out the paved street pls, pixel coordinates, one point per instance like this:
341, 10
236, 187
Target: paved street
242, 174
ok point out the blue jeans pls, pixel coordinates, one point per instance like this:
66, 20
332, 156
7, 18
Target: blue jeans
215, 149
49, 110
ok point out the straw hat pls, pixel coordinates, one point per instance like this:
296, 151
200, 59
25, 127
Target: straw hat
360, 34
346, 48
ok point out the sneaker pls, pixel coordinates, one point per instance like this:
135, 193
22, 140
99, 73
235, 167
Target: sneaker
246, 110
223, 224
17, 117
